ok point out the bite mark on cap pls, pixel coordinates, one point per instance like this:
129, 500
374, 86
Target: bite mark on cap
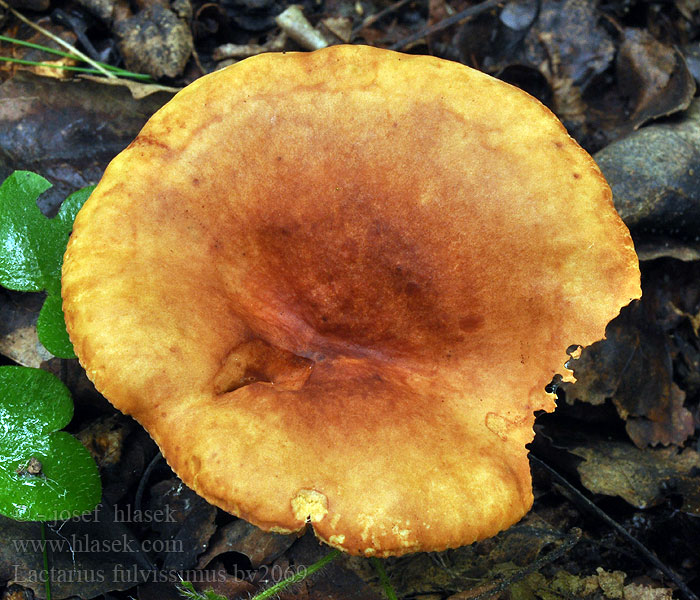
310, 505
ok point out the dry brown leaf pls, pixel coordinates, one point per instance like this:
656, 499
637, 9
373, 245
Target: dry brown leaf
18, 337
261, 547
653, 75
633, 367
188, 523
635, 591
34, 54
138, 89
642, 477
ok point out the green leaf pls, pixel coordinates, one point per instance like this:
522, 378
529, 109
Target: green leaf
28, 250
32, 248
51, 328
64, 482
70, 207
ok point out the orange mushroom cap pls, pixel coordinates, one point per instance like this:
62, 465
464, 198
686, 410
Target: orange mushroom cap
333, 287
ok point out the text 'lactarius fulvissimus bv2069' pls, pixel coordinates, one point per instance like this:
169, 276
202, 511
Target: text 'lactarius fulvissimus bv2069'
333, 287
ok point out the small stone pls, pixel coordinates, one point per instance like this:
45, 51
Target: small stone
155, 42
102, 9
182, 8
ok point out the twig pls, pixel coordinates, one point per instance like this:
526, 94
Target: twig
144, 480
198, 62
293, 22
591, 506
372, 19
472, 11
276, 44
58, 40
569, 541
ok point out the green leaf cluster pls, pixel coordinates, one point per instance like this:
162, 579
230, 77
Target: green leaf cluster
32, 248
45, 474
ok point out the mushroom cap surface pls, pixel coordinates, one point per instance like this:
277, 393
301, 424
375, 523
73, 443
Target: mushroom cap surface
333, 287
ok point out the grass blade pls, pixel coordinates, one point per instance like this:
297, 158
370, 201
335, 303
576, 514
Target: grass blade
116, 70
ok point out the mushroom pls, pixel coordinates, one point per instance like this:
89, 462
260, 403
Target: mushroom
333, 287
